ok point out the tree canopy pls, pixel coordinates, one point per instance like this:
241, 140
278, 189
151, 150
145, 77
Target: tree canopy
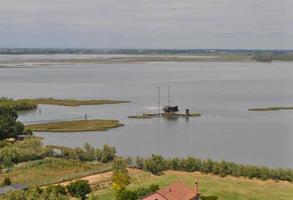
9, 126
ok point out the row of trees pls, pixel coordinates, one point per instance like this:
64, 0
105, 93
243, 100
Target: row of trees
156, 164
33, 149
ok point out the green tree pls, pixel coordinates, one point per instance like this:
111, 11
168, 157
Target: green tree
108, 154
79, 189
9, 127
156, 164
120, 178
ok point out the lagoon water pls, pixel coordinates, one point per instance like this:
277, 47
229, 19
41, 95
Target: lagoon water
221, 91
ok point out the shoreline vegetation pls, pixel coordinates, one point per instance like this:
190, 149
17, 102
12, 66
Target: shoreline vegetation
32, 104
104, 56
132, 59
75, 126
26, 161
73, 102
276, 108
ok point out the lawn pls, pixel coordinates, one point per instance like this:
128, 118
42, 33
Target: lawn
228, 188
76, 126
74, 102
52, 170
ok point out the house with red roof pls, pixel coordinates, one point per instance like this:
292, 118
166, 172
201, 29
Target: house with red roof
176, 191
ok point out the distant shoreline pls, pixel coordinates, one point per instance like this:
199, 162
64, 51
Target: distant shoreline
29, 60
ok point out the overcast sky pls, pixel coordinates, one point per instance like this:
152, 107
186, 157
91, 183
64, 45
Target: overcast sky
248, 24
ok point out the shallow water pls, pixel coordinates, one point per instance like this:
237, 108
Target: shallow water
222, 92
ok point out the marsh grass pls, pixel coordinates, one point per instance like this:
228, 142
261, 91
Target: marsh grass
73, 102
75, 126
272, 108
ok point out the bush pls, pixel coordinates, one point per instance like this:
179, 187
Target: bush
107, 154
156, 164
6, 181
56, 189
79, 189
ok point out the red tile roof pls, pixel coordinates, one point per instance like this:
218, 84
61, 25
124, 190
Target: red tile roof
176, 191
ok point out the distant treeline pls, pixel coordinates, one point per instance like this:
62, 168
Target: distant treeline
18, 105
138, 51
157, 164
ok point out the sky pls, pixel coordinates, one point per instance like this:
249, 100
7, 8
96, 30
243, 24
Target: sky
195, 24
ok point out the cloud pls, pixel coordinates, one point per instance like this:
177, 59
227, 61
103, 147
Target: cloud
147, 23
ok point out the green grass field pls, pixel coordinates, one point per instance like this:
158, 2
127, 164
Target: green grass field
228, 188
73, 102
52, 170
76, 126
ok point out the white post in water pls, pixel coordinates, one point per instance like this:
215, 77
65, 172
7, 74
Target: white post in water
159, 101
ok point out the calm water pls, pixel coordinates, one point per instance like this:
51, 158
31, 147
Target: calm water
222, 92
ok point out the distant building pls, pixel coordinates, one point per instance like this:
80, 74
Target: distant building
12, 187
176, 191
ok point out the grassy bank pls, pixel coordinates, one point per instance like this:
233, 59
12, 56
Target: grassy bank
272, 108
18, 105
76, 126
73, 102
52, 170
227, 188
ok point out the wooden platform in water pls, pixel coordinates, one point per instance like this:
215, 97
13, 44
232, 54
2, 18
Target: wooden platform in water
167, 115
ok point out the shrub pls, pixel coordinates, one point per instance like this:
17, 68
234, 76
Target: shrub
79, 189
156, 164
6, 181
108, 154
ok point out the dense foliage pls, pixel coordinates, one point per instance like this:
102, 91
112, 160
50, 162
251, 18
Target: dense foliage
9, 126
79, 189
88, 153
26, 150
156, 164
33, 149
18, 105
136, 194
120, 178
49, 193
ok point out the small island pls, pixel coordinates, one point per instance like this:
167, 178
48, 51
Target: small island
75, 126
32, 104
272, 108
73, 102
